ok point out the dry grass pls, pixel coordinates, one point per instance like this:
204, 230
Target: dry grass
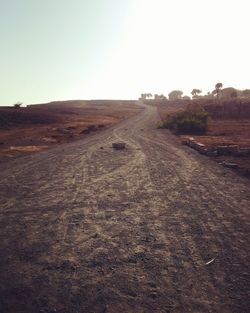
46, 125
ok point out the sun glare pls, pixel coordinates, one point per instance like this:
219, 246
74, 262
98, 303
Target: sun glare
176, 44
124, 50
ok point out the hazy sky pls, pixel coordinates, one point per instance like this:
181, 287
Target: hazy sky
90, 49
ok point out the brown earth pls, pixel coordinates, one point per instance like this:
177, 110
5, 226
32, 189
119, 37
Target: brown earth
40, 127
152, 228
221, 131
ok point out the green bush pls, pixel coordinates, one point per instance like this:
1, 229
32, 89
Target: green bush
192, 120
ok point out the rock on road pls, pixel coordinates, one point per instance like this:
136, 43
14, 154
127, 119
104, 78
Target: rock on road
152, 228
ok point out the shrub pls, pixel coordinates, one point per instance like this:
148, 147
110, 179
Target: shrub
192, 120
17, 105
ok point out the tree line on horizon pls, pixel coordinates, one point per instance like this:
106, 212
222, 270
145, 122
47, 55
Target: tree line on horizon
218, 92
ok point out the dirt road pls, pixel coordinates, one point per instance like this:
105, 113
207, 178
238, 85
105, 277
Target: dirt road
153, 228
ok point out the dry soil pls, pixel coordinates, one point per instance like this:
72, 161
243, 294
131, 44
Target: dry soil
152, 228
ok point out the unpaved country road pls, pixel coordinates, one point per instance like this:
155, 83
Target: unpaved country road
91, 229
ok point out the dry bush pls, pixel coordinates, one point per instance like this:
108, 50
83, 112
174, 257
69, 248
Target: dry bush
192, 120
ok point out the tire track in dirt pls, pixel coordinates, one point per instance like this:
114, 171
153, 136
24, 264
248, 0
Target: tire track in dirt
127, 230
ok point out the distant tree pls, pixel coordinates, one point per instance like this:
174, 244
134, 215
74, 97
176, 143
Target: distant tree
218, 87
17, 105
159, 97
144, 96
195, 92
186, 98
162, 97
175, 94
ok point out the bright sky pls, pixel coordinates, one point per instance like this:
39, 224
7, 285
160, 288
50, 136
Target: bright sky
118, 49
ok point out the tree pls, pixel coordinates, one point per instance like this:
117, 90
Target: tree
175, 94
144, 96
186, 98
159, 97
195, 92
218, 87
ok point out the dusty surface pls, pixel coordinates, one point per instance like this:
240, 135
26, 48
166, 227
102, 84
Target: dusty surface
41, 127
221, 131
153, 228
228, 132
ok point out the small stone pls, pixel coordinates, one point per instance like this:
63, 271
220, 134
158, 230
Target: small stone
118, 145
